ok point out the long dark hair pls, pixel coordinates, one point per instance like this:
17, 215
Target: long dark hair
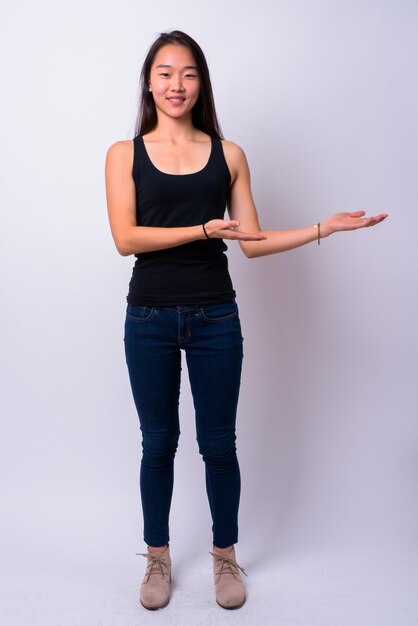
203, 113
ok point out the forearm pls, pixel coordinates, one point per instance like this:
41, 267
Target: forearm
138, 239
280, 241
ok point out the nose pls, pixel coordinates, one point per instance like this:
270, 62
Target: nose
177, 84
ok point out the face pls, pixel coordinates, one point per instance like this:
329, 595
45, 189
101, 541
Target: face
175, 87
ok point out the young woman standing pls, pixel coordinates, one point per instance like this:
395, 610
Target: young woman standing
167, 191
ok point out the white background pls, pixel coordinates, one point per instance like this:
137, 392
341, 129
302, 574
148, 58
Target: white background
322, 97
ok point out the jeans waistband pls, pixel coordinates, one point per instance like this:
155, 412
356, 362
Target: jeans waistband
193, 307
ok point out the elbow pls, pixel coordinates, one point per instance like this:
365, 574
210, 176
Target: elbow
124, 252
248, 250
122, 246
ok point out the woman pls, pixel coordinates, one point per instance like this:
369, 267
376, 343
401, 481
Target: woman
167, 191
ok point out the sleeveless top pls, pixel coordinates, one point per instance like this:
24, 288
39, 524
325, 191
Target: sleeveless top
195, 272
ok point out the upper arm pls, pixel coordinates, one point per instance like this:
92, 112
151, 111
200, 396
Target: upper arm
120, 191
241, 204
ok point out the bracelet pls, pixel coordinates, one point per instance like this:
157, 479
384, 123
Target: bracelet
205, 231
318, 226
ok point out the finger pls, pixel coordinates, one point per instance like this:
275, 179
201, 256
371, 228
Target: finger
246, 236
239, 234
357, 213
231, 224
377, 219
243, 232
368, 221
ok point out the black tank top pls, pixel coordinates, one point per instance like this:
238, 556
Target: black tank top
195, 272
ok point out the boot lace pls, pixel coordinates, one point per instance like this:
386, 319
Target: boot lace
156, 565
227, 565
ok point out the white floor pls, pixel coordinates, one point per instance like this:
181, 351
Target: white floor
364, 588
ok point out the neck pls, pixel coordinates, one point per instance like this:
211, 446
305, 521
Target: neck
174, 129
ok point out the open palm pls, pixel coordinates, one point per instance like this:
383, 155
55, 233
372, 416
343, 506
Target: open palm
349, 221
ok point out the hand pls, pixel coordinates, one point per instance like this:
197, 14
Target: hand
349, 221
227, 229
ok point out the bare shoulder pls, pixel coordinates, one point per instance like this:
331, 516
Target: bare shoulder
234, 156
120, 155
232, 149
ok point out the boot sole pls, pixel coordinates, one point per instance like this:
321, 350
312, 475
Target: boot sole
151, 607
235, 606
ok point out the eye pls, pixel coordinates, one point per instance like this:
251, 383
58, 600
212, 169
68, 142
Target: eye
192, 75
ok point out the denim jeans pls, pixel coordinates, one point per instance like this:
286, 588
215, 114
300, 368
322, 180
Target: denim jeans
211, 337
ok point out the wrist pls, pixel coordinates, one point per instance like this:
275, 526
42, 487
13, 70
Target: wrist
326, 231
205, 231
322, 230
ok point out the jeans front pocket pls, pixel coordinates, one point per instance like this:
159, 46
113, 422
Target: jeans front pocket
221, 312
140, 313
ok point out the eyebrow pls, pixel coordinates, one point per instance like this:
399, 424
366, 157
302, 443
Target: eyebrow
186, 67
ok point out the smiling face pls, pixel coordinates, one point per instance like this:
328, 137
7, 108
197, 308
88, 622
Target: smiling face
174, 81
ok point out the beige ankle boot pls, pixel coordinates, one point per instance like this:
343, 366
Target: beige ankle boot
229, 587
155, 588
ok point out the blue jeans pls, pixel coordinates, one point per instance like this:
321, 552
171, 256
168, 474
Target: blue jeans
211, 338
